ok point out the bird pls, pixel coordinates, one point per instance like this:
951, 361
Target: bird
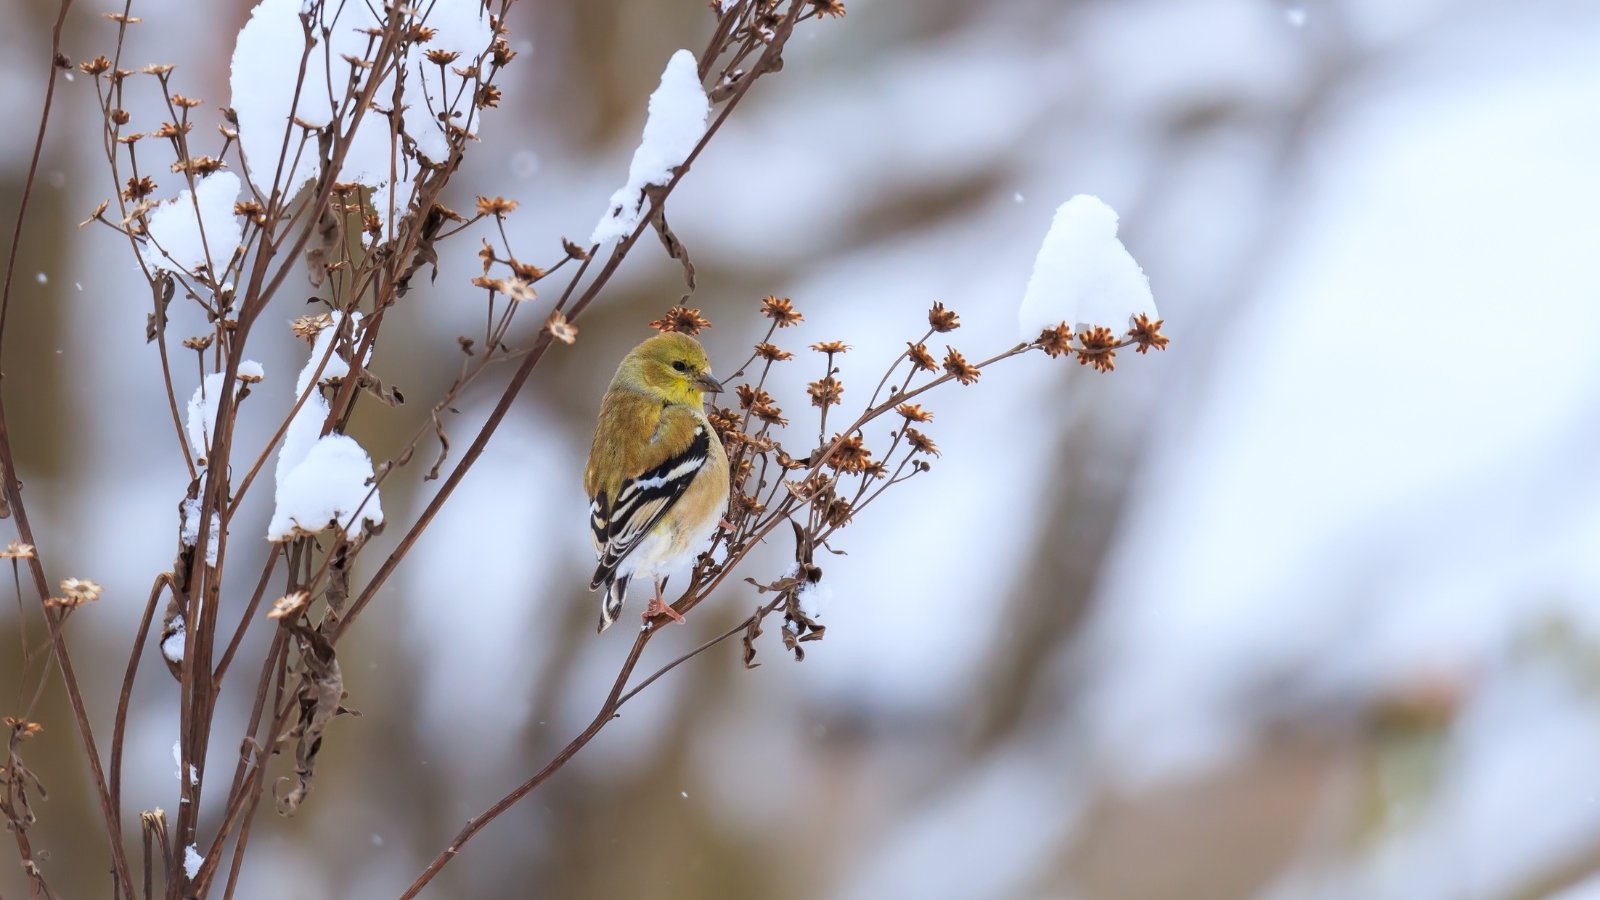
657, 477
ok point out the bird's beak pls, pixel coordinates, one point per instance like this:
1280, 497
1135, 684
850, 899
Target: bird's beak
708, 384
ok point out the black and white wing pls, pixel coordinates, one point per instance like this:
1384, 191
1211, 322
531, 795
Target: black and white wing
620, 523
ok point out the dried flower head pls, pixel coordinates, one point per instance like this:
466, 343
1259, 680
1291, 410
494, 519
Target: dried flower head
683, 319
186, 102
836, 511
495, 206
750, 396
560, 328
920, 443
526, 271
942, 320
770, 414
80, 590
131, 138
502, 52
518, 289
1148, 334
780, 310
119, 117
17, 550
1099, 348
308, 327
914, 412
22, 727
851, 455
199, 341
1055, 341
442, 57
488, 97
420, 34
160, 70
831, 347
742, 504
251, 210
94, 66
958, 367
828, 8
920, 357
138, 187
573, 250
827, 391
289, 605
772, 352
199, 165
172, 130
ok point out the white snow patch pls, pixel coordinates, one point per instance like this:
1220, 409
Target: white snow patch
266, 68
172, 644
189, 529
202, 415
675, 124
1083, 275
321, 478
192, 861
181, 237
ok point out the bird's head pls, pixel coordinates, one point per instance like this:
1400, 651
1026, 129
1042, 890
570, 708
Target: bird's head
672, 366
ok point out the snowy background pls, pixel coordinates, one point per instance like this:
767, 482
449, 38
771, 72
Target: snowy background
1305, 607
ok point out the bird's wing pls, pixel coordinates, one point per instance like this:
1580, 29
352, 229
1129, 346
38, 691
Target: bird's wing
619, 523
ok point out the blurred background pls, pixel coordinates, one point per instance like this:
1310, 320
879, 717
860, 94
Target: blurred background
1305, 607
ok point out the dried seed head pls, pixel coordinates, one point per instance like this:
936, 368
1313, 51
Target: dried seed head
750, 396
1147, 334
119, 116
560, 328
495, 206
681, 319
186, 102
941, 319
94, 66
160, 70
573, 250
1099, 348
308, 327
851, 455
920, 357
770, 414
172, 130
742, 504
526, 271
138, 187
488, 97
958, 367
420, 34
914, 412
828, 8
289, 605
920, 442
251, 210
17, 550
1055, 341
825, 392
780, 310
831, 347
199, 165
836, 511
133, 138
199, 341
772, 352
22, 728
518, 289
503, 53
80, 590
442, 57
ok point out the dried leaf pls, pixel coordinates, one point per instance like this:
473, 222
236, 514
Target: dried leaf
675, 248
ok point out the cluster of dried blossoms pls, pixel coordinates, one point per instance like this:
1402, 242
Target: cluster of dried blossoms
823, 487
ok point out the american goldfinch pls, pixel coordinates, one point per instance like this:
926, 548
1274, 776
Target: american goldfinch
657, 477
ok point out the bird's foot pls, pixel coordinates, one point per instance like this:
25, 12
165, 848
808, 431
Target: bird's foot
659, 608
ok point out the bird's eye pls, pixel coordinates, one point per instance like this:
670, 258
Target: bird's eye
680, 366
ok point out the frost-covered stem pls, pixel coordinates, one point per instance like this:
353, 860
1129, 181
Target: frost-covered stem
13, 489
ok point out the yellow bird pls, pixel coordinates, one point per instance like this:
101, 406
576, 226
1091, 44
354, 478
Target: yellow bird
657, 477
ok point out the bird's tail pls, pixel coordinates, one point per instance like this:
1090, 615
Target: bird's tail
611, 601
